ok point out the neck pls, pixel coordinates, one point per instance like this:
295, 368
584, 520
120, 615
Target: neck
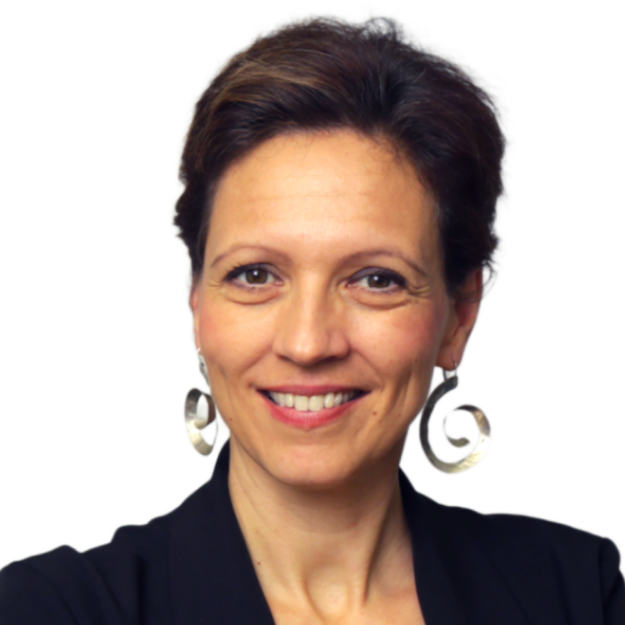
326, 550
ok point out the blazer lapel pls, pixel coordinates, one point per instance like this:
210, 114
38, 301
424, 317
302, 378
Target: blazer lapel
213, 580
212, 576
456, 581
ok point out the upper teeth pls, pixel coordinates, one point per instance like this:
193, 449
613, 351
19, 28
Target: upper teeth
314, 403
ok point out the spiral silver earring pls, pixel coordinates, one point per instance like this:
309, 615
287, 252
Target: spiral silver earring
195, 424
449, 383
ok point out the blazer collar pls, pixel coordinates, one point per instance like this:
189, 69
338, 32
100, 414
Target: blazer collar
212, 576
213, 579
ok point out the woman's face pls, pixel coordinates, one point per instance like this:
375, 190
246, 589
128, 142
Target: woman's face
322, 309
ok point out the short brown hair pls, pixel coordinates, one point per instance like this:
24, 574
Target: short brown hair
323, 74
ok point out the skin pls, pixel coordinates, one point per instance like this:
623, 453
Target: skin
320, 507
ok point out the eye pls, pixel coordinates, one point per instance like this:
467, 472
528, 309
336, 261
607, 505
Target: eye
379, 279
384, 274
251, 275
246, 269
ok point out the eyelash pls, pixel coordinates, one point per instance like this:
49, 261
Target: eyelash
395, 277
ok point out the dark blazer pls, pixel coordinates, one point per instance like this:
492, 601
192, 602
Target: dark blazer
192, 567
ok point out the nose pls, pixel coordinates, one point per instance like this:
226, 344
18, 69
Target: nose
310, 327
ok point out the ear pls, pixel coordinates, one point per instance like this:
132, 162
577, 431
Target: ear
461, 321
194, 302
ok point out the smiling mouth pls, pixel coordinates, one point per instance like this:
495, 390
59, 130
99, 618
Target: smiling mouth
354, 398
314, 403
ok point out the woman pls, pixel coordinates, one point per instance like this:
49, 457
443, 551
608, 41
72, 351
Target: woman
340, 191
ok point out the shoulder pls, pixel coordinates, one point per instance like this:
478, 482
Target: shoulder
526, 531
102, 586
528, 539
540, 562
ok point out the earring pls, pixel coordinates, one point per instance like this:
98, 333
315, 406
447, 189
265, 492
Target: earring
195, 423
449, 383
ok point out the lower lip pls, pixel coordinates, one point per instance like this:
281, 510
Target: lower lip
309, 419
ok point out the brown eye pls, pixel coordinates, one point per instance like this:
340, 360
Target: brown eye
379, 279
253, 272
251, 276
382, 276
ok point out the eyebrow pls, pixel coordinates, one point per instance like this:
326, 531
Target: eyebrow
350, 257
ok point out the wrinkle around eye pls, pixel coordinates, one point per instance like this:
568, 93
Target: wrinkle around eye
398, 283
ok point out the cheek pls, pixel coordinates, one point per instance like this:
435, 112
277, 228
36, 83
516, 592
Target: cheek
229, 342
213, 335
403, 343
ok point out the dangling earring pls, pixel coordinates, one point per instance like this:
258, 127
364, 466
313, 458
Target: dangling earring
196, 423
450, 382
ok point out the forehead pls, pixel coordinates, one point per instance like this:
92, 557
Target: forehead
318, 164
328, 189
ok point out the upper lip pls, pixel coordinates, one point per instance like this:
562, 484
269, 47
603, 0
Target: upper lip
309, 389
